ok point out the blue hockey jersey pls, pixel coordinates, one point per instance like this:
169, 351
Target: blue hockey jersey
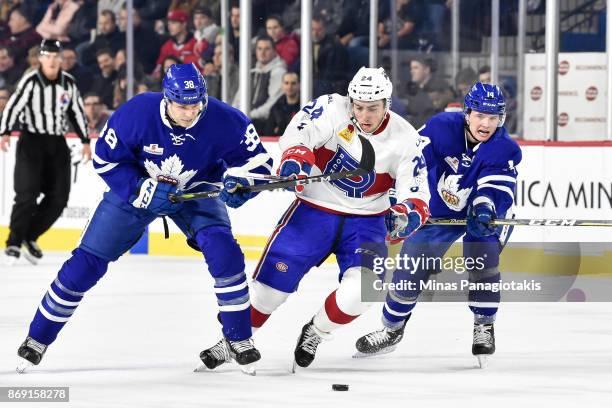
458, 173
139, 141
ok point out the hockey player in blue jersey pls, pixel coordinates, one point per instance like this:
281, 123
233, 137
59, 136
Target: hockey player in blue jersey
154, 145
471, 164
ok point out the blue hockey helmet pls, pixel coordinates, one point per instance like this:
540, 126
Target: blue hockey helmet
184, 84
486, 98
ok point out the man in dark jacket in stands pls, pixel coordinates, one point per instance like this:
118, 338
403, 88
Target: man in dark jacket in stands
330, 61
22, 35
286, 106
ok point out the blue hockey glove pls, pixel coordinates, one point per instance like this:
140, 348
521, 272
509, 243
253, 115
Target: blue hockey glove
405, 218
297, 161
231, 195
479, 219
153, 195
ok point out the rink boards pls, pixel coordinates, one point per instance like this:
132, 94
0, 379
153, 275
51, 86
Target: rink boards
556, 180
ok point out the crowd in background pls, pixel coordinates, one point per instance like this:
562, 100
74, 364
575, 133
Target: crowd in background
184, 31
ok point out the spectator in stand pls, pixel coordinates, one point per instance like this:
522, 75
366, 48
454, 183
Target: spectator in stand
168, 62
9, 71
112, 5
109, 37
408, 13
83, 22
441, 96
204, 25
33, 61
330, 61
213, 73
147, 39
484, 74
105, 82
286, 106
182, 43
463, 82
95, 113
266, 80
186, 6
83, 75
354, 27
155, 79
57, 19
287, 46
329, 10
420, 106
5, 94
234, 32
22, 35
150, 11
434, 14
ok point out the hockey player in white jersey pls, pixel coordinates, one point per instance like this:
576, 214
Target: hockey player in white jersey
344, 217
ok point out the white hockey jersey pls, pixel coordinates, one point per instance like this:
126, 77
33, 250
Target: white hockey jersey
325, 127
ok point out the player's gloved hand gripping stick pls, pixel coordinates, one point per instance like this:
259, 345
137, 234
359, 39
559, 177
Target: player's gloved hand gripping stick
366, 165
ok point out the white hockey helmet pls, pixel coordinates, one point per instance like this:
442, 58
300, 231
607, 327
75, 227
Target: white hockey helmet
371, 84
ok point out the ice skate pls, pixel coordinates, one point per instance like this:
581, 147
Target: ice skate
379, 342
484, 343
11, 255
30, 353
307, 344
242, 352
32, 252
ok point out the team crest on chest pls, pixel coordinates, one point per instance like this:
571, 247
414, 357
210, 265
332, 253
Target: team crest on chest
171, 168
354, 187
451, 193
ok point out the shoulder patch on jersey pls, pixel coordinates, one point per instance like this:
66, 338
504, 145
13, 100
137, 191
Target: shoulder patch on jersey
347, 133
453, 162
153, 149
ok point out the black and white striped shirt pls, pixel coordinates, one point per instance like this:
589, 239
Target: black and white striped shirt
43, 107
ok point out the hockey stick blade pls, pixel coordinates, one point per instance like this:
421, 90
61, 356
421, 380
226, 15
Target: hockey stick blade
366, 165
531, 222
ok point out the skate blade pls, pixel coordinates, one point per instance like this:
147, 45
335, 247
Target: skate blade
30, 258
384, 351
23, 365
483, 360
294, 367
248, 369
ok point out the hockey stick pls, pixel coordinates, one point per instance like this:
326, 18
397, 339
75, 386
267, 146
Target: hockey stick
366, 165
531, 222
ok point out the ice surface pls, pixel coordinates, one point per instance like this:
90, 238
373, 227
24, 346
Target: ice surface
135, 340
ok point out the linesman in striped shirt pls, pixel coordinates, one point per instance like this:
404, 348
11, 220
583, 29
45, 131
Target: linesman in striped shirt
41, 106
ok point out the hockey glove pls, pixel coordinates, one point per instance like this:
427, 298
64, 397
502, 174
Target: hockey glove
231, 195
153, 195
479, 219
296, 162
405, 218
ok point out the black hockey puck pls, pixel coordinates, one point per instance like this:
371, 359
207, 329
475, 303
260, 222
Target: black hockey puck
340, 387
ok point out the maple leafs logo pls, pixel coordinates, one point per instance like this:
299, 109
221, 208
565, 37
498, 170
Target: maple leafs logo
171, 167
